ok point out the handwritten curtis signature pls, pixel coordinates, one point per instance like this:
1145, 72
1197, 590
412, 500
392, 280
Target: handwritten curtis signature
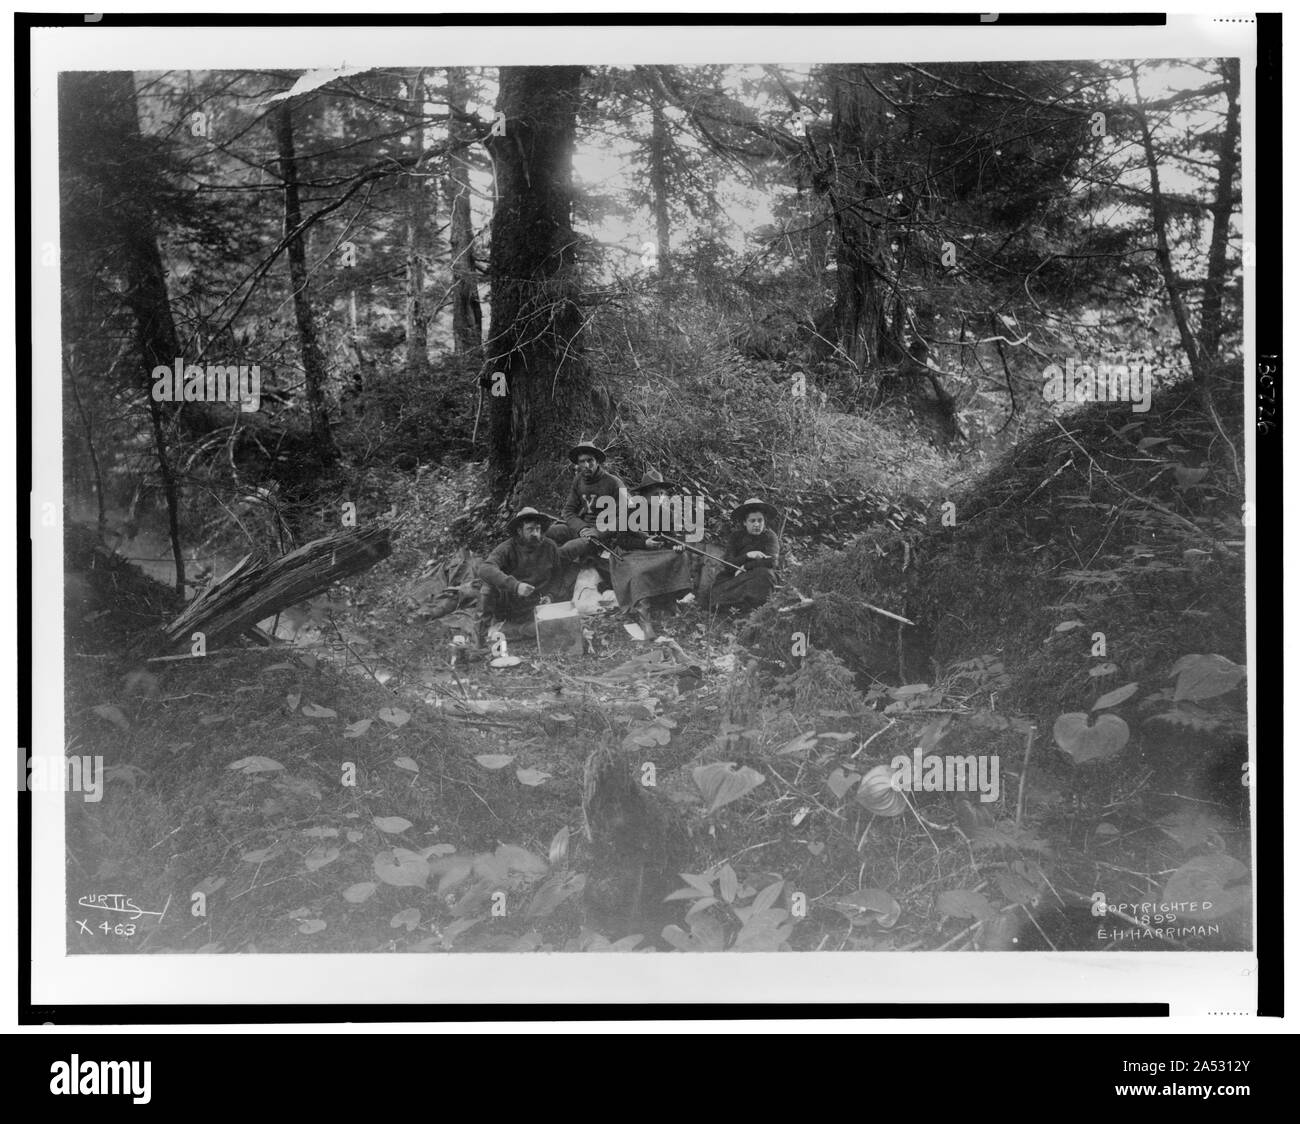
119, 903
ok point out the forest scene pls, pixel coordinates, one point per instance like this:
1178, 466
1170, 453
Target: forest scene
946, 356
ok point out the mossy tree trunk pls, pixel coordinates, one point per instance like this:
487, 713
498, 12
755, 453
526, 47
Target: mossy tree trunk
535, 379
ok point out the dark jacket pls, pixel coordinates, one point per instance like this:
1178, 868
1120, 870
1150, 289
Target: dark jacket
509, 564
636, 540
742, 542
579, 510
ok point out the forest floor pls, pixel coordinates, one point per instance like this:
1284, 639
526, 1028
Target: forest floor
349, 790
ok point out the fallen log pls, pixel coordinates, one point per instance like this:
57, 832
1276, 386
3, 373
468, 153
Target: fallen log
251, 592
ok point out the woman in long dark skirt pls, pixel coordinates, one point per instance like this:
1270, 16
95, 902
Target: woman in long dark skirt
753, 546
649, 572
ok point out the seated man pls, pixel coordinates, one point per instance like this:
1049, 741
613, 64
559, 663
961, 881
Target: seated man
577, 534
647, 571
518, 575
751, 556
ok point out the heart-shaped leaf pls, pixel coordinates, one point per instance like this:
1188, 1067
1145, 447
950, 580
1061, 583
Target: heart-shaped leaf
721, 782
1090, 743
320, 856
532, 777
292, 700
394, 716
393, 825
401, 870
839, 782
1205, 677
408, 918
871, 905
1115, 697
359, 892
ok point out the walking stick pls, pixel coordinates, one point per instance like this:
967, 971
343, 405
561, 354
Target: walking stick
701, 553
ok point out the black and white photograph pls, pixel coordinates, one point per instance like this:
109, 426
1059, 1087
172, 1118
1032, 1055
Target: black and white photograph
645, 492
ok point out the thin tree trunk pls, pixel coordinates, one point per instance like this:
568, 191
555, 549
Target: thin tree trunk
659, 182
313, 361
536, 318
1160, 220
1217, 267
417, 205
466, 310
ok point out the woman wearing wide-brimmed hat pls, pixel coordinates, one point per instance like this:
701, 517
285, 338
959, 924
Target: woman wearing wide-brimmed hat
649, 572
754, 547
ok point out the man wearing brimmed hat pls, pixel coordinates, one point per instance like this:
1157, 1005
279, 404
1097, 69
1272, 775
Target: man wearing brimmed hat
754, 547
650, 571
576, 532
519, 574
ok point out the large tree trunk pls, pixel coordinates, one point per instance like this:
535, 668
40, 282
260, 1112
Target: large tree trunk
417, 206
313, 360
466, 311
536, 318
113, 96
852, 187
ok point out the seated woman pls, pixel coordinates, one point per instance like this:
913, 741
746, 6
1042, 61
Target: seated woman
648, 572
753, 547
